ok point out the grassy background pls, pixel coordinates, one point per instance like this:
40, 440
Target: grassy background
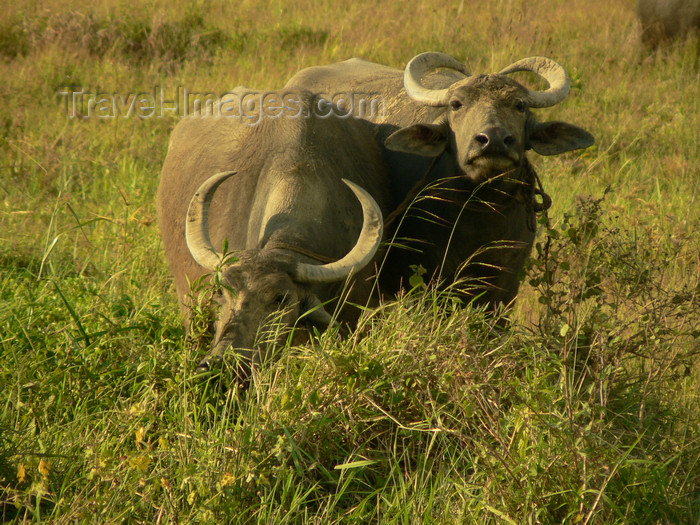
584, 410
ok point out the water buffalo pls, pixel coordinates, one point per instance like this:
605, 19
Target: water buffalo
301, 214
460, 140
663, 20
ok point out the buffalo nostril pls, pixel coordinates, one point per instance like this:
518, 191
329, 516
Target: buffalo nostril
495, 140
208, 364
482, 138
204, 366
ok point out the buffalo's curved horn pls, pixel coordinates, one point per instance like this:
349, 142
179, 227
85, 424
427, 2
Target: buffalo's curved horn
197, 223
421, 64
360, 255
553, 73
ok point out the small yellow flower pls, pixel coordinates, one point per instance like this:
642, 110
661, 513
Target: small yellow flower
136, 409
44, 468
166, 484
227, 479
140, 462
21, 473
140, 435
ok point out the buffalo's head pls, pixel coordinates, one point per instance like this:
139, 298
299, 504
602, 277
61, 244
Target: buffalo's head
488, 124
265, 292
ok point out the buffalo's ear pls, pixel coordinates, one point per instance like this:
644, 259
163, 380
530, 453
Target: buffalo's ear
427, 140
553, 138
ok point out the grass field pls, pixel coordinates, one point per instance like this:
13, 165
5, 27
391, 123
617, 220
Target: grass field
585, 409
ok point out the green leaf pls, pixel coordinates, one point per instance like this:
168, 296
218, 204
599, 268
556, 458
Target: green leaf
355, 464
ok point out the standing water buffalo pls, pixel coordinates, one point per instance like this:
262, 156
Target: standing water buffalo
287, 213
460, 140
663, 20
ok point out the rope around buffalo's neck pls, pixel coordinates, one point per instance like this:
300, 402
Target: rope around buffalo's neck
534, 205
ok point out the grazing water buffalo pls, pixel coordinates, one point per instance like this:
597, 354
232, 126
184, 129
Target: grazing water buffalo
300, 214
663, 20
461, 141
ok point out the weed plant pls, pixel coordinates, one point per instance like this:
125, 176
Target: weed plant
579, 405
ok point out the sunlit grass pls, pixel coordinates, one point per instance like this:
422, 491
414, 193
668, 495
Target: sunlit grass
582, 409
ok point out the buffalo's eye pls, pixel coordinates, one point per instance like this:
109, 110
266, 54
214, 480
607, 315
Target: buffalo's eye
455, 104
225, 290
520, 105
281, 299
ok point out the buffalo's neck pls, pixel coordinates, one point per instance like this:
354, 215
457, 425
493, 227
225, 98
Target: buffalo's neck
454, 204
439, 186
458, 228
494, 195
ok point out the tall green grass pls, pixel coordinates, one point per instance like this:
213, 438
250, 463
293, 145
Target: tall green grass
581, 407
